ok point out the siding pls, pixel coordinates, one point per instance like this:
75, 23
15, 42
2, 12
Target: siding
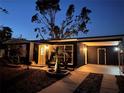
92, 55
80, 55
111, 55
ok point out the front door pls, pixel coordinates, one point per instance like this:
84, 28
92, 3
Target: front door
42, 55
101, 56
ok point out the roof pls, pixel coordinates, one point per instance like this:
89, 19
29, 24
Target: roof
16, 41
84, 39
90, 39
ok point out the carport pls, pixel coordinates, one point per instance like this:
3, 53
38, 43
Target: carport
103, 50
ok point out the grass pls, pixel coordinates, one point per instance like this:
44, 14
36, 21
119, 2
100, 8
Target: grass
19, 80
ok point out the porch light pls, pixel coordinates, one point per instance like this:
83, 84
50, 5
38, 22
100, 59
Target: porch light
46, 47
85, 49
121, 51
116, 48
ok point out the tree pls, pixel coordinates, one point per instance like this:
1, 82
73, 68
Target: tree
3, 10
70, 26
5, 33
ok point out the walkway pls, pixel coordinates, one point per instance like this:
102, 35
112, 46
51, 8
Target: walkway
71, 82
109, 84
66, 85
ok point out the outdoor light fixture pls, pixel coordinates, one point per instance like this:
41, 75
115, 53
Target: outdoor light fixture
85, 49
42, 50
46, 47
116, 49
121, 51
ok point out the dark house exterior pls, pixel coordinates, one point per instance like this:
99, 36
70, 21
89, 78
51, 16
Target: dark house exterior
105, 50
17, 48
90, 50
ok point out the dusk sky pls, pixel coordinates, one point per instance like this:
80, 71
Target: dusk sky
107, 17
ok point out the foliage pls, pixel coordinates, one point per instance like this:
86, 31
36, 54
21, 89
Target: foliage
70, 26
3, 10
5, 33
56, 55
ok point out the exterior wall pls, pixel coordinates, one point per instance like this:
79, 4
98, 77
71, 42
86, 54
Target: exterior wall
121, 55
111, 55
14, 51
35, 53
74, 55
27, 52
92, 55
80, 55
2, 53
31, 52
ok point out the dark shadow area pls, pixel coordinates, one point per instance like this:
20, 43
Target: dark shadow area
20, 80
91, 84
120, 82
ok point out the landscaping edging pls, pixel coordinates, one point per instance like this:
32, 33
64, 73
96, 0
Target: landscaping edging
58, 75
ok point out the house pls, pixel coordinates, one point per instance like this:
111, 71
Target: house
106, 50
16, 46
2, 51
89, 50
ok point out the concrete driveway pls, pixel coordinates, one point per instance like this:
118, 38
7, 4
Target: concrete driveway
103, 69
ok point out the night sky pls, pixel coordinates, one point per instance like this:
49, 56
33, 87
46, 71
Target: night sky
107, 17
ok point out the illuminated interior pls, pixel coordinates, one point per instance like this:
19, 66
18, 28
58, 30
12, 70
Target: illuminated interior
42, 53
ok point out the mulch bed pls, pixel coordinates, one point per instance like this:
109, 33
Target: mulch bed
120, 82
18, 80
91, 84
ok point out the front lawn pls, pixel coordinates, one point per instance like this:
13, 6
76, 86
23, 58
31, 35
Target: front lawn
19, 80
